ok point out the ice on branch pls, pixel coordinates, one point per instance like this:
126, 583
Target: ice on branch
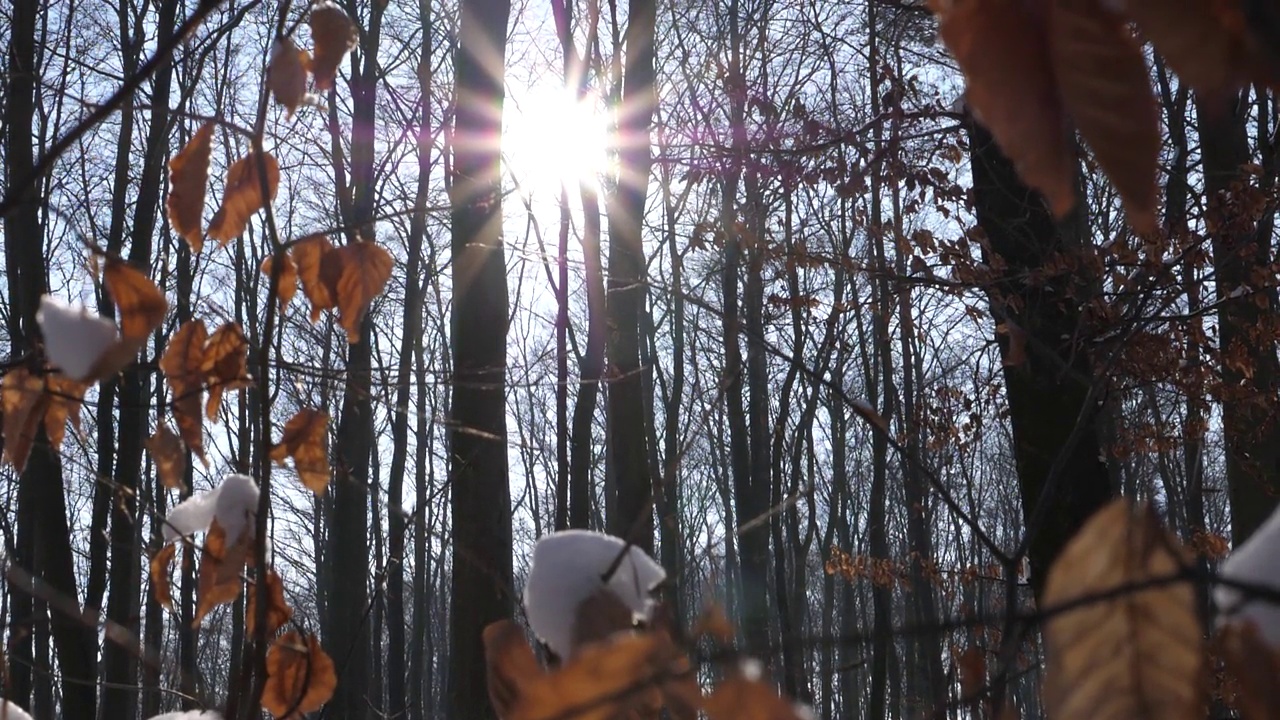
1256, 562
75, 337
569, 567
232, 504
9, 711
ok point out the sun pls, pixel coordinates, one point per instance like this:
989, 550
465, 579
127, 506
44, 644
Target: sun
552, 138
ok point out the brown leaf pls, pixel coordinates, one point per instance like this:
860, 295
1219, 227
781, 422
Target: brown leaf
182, 366
1202, 41
1015, 352
306, 440
24, 402
1001, 48
278, 610
188, 176
66, 397
355, 275
1136, 653
243, 196
1103, 80
308, 255
220, 566
287, 74
300, 676
288, 286
140, 303
225, 365
169, 455
511, 664
333, 36
739, 697
1254, 666
160, 563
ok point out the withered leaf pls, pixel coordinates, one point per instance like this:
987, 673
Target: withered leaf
243, 196
300, 676
1136, 654
169, 455
288, 286
182, 365
738, 697
308, 255
355, 274
306, 440
1102, 77
225, 365
221, 561
66, 398
1001, 47
188, 177
24, 401
278, 610
1015, 351
140, 303
1254, 666
510, 664
333, 35
160, 563
287, 74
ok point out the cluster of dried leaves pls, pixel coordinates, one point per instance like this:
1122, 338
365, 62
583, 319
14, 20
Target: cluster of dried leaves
1038, 68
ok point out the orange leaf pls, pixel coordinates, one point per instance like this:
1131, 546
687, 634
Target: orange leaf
188, 175
300, 676
225, 365
287, 74
741, 698
168, 454
511, 664
220, 566
333, 35
160, 563
305, 439
243, 196
140, 303
66, 397
182, 366
355, 275
308, 255
278, 611
1000, 47
288, 286
1104, 84
24, 402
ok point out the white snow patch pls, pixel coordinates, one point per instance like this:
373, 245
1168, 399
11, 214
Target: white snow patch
189, 715
1257, 561
232, 504
9, 711
75, 337
568, 567
751, 669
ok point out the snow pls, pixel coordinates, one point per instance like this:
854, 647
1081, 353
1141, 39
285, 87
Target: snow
232, 503
75, 337
1257, 561
9, 711
568, 567
189, 715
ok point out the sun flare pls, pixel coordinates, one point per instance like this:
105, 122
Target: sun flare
551, 138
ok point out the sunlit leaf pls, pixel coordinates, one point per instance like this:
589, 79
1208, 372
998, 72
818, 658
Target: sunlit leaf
24, 402
1131, 653
66, 398
140, 305
287, 74
1002, 49
308, 254
221, 561
188, 178
1102, 77
333, 35
182, 365
278, 610
160, 563
225, 365
300, 676
288, 277
306, 440
355, 275
169, 455
243, 196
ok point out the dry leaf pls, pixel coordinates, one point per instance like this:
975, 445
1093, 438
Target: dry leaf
355, 274
169, 455
1138, 654
182, 366
1102, 77
188, 176
287, 74
220, 566
66, 397
306, 440
160, 563
300, 676
243, 196
288, 284
225, 365
1015, 354
1001, 48
140, 304
308, 254
1254, 666
741, 697
511, 664
334, 35
603, 681
24, 402
278, 611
